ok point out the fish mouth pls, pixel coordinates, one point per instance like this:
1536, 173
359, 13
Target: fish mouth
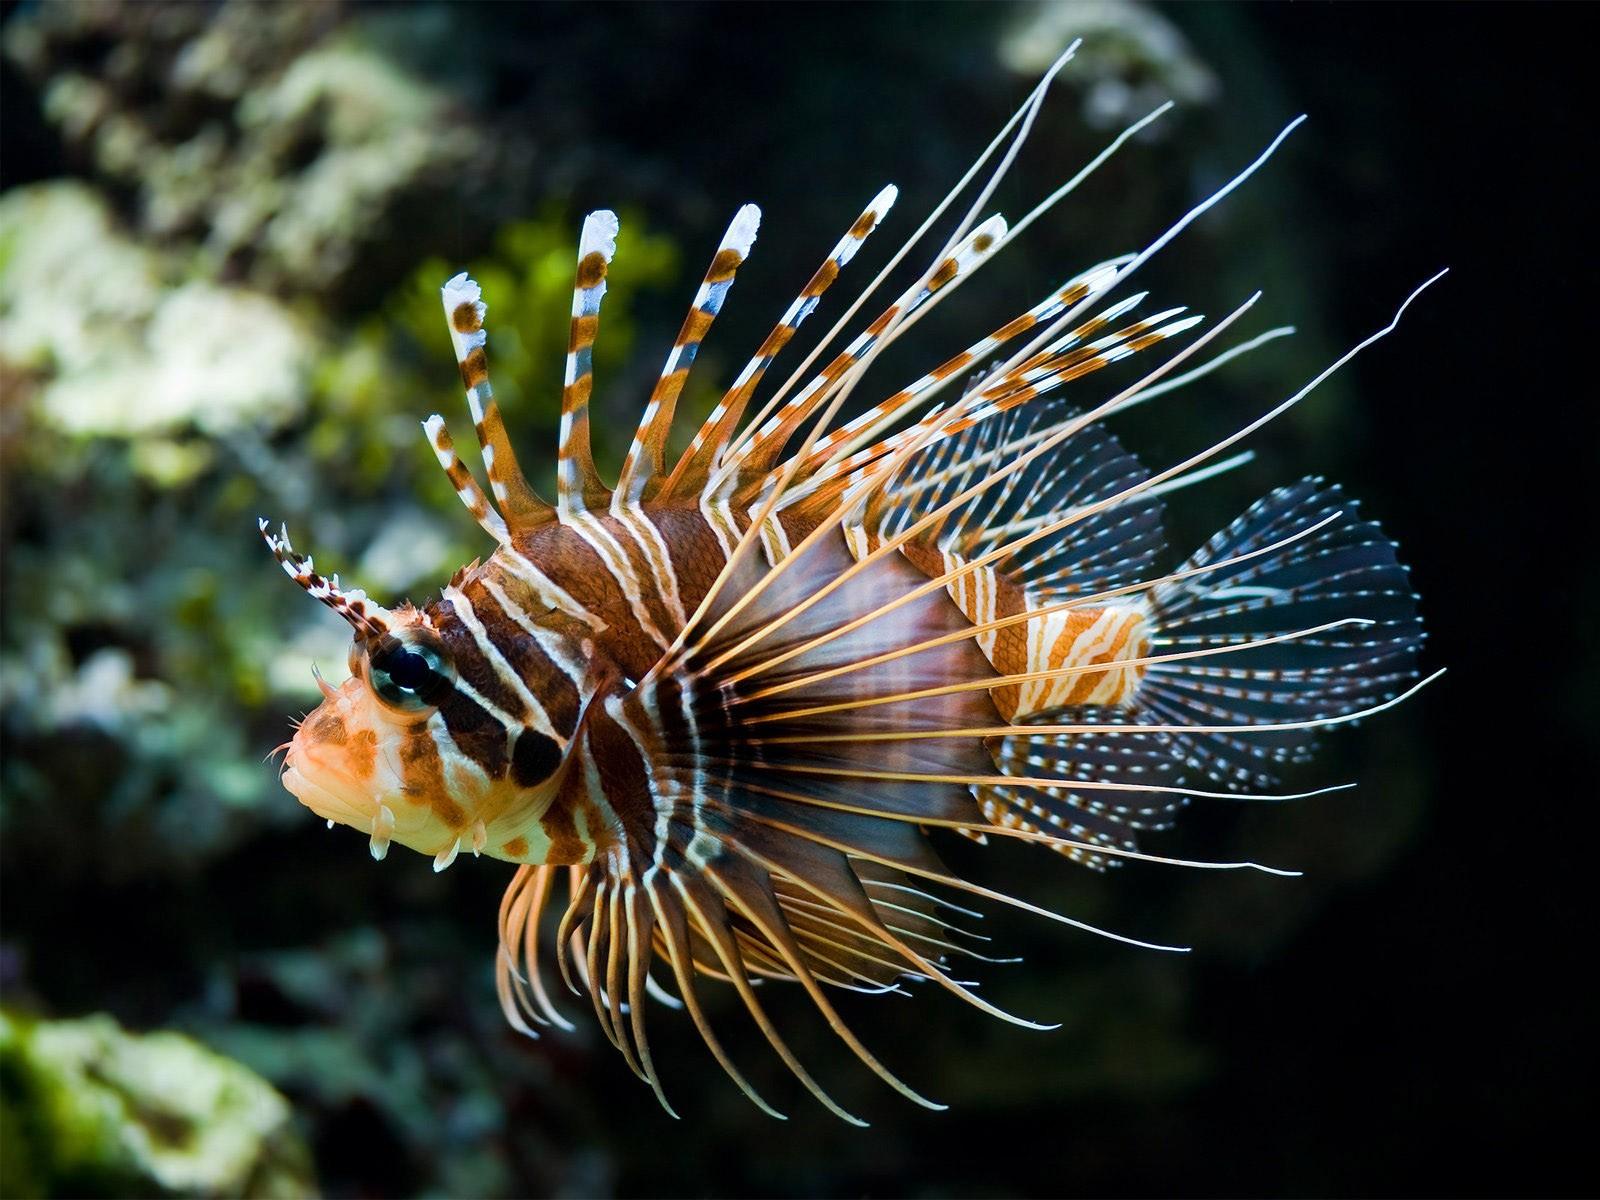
329, 794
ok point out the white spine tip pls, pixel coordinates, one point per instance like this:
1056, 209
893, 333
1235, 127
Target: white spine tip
741, 233
980, 243
460, 289
884, 201
599, 234
382, 831
1102, 278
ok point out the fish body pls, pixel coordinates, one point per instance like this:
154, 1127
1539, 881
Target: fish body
544, 627
728, 701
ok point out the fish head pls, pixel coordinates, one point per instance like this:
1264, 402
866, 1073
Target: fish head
398, 751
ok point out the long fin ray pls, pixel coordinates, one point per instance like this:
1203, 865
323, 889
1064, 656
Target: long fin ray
693, 470
464, 311
579, 484
646, 460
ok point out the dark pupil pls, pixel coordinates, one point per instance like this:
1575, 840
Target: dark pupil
408, 670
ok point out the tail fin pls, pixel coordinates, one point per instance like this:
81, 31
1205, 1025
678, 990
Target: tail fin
1315, 563
1348, 568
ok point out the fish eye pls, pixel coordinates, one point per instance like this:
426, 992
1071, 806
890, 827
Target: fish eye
409, 672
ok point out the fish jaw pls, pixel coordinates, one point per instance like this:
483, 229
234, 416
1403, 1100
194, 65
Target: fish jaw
344, 765
336, 796
337, 767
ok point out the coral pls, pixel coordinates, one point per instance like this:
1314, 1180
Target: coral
127, 349
91, 1109
272, 137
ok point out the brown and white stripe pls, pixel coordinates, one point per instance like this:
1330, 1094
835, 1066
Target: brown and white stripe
630, 567
369, 619
870, 423
464, 312
531, 711
646, 460
576, 479
1055, 641
461, 479
1001, 393
724, 419
757, 458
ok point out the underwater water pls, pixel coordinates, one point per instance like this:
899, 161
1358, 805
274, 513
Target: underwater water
222, 228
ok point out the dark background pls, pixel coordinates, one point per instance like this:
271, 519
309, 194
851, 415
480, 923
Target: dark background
1411, 1017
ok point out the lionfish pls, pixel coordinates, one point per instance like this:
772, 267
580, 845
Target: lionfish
727, 699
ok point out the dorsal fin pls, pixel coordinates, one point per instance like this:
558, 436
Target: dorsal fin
467, 489
464, 311
766, 447
578, 483
646, 459
865, 427
1063, 361
693, 468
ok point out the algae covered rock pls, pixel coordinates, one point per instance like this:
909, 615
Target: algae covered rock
273, 139
87, 1108
121, 344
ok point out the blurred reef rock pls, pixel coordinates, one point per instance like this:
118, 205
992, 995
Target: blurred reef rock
89, 1109
122, 346
1132, 59
275, 143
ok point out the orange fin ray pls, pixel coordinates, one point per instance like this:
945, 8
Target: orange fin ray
864, 427
646, 460
464, 311
694, 467
578, 483
756, 459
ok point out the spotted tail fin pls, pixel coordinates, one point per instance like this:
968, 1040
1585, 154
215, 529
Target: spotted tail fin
1346, 569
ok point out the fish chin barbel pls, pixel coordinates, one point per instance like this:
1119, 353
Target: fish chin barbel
726, 700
